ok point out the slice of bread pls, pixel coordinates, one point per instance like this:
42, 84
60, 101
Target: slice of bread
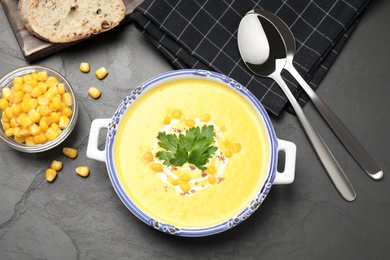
63, 21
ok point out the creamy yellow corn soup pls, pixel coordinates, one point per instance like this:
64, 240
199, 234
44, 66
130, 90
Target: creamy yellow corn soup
192, 193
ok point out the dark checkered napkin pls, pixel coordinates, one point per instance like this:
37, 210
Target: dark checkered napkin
203, 34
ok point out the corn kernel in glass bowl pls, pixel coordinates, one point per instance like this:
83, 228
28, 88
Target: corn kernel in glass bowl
44, 96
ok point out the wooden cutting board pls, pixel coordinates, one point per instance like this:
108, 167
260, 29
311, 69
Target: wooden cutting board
32, 47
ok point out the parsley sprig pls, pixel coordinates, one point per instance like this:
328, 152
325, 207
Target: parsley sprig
194, 147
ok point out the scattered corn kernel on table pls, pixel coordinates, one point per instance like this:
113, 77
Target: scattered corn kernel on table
76, 217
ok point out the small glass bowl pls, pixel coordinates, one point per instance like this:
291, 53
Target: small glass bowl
7, 81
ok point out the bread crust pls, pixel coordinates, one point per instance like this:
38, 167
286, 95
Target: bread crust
62, 21
22, 10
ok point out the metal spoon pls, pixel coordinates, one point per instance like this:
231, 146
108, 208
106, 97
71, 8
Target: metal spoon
270, 64
362, 157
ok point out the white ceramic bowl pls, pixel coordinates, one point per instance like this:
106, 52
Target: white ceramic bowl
273, 176
7, 80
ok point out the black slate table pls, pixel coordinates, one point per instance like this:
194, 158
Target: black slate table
77, 218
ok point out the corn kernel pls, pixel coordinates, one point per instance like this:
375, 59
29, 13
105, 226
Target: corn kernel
167, 120
26, 97
67, 111
56, 104
34, 75
26, 121
4, 117
30, 141
27, 77
26, 106
101, 73
204, 117
6, 125
64, 122
61, 88
211, 169
228, 153
32, 83
85, 67
20, 117
26, 88
51, 134
44, 110
56, 165
48, 120
176, 182
51, 174
18, 81
51, 81
34, 129
185, 177
94, 92
52, 108
13, 122
212, 178
34, 115
176, 113
157, 167
43, 125
25, 132
67, 98
9, 132
19, 139
53, 90
34, 103
147, 157
8, 112
42, 75
49, 95
3, 103
17, 132
40, 138
37, 91
16, 110
42, 86
185, 187
190, 123
6, 92
16, 87
17, 96
70, 152
83, 171
55, 117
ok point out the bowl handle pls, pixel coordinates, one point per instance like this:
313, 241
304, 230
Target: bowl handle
93, 151
288, 174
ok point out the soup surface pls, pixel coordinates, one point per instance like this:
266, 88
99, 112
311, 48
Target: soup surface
176, 185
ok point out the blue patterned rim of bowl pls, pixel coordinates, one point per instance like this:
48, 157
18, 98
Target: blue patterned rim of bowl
166, 227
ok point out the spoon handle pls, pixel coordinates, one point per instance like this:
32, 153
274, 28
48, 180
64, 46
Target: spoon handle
335, 173
362, 157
